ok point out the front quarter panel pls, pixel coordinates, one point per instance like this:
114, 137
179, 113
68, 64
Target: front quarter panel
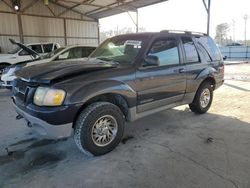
86, 92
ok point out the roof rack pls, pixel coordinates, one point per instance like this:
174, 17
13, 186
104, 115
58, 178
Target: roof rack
184, 32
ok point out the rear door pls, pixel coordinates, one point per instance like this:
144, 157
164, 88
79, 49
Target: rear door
164, 84
195, 60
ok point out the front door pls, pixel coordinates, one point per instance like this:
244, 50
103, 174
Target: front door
164, 84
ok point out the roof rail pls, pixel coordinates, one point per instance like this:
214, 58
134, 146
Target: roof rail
184, 32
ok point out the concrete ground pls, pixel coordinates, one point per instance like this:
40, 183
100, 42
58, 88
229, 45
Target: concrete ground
174, 148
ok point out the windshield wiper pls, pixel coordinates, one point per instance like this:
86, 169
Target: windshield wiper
105, 59
108, 60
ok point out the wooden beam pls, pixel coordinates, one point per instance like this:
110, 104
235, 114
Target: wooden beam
7, 4
45, 16
72, 7
29, 5
51, 11
58, 4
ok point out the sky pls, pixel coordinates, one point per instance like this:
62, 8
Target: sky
186, 15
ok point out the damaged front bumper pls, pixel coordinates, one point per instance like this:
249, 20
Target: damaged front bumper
45, 129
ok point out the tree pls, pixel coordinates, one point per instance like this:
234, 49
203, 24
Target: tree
118, 31
221, 33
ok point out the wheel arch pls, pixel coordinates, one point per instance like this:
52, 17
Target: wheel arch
5, 63
114, 98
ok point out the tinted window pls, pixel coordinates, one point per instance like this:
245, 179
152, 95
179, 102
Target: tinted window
23, 53
86, 51
203, 52
166, 50
190, 50
47, 48
75, 53
37, 48
210, 47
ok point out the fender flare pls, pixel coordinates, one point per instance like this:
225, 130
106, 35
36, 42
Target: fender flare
87, 92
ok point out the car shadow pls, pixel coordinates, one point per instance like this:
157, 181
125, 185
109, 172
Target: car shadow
218, 145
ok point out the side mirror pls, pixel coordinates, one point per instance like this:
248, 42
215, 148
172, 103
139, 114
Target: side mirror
224, 58
150, 61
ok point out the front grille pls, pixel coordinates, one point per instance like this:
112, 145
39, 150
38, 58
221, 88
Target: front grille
22, 90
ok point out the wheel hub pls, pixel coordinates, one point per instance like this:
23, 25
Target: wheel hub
104, 130
205, 98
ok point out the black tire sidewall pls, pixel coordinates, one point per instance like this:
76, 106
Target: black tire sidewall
86, 128
196, 105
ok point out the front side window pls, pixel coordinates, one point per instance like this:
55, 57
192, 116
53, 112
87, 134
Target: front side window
122, 49
166, 50
37, 48
190, 50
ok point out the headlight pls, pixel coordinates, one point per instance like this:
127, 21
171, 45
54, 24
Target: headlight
48, 97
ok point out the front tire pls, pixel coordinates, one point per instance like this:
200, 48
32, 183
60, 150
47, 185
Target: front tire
203, 99
99, 128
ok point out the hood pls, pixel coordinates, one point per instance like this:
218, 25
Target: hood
56, 71
25, 48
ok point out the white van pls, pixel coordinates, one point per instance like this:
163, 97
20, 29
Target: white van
19, 55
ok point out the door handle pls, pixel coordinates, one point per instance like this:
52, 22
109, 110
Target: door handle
182, 70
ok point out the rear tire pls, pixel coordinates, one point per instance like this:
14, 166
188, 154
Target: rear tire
203, 99
99, 128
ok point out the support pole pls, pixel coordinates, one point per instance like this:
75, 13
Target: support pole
20, 27
65, 31
245, 33
136, 20
207, 7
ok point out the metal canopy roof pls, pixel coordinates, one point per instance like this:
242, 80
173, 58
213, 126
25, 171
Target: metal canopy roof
102, 8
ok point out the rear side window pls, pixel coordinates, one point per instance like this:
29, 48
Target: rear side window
86, 51
208, 44
166, 50
190, 50
37, 48
75, 53
48, 48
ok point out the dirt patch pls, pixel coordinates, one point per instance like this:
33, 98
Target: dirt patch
19, 154
25, 141
44, 159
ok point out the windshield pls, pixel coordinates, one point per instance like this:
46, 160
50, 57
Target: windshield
15, 50
121, 49
51, 54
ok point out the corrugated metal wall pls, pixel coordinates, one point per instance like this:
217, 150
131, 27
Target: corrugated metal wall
39, 24
236, 52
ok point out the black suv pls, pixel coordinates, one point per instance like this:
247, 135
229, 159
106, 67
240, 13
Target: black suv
127, 77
